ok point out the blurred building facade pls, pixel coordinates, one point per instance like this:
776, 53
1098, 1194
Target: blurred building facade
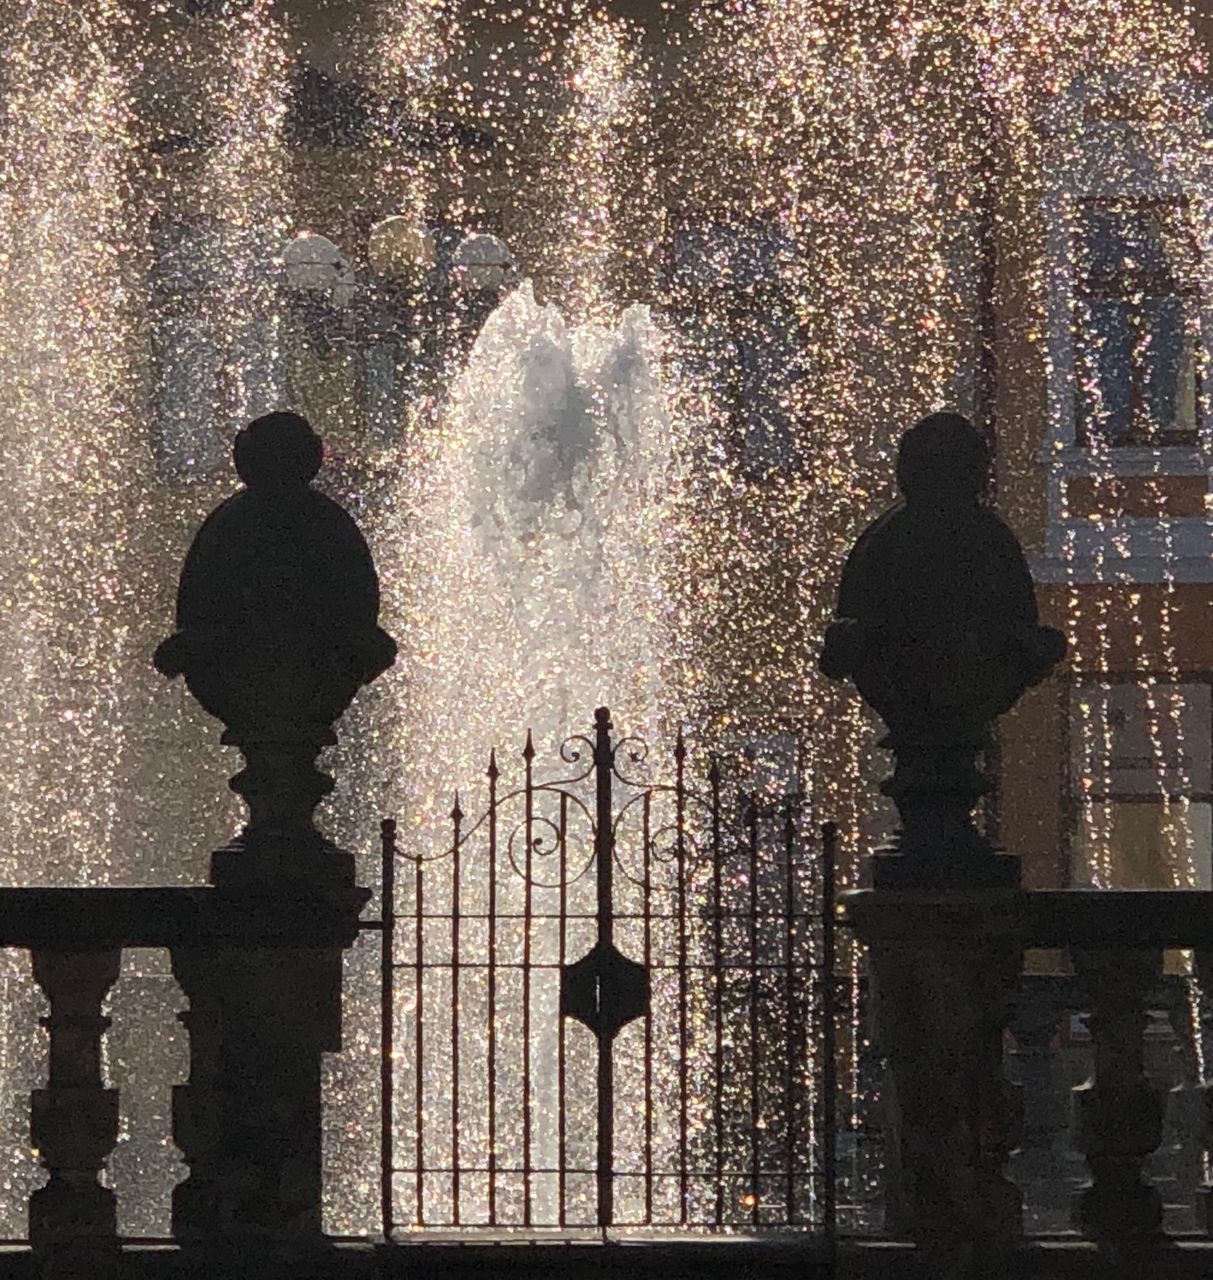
1075, 307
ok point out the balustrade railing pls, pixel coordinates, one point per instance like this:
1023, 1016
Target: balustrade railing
954, 1010
262, 978
1051, 1052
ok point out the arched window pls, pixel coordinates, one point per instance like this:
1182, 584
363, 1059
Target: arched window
186, 358
747, 350
214, 329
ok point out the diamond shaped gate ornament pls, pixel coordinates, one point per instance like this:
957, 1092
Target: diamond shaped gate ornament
604, 990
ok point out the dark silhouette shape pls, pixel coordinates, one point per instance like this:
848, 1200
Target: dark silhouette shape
277, 628
937, 625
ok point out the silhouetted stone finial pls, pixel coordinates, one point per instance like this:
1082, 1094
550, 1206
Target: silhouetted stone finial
942, 455
277, 627
278, 452
938, 627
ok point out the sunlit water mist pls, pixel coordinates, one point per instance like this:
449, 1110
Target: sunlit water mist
244, 192
68, 462
536, 545
534, 548
74, 482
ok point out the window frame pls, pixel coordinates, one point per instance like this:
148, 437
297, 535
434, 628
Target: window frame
1133, 288
170, 299
1074, 800
1096, 144
759, 454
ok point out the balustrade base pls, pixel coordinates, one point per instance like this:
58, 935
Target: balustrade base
1204, 1208
73, 1214
709, 1260
1125, 1218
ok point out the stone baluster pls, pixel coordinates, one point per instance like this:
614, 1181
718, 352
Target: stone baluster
1204, 1128
1176, 1166
1038, 1010
1043, 1165
200, 1107
74, 1119
1118, 1113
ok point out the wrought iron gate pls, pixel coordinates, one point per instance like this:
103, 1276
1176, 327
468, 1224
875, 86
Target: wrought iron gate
608, 1005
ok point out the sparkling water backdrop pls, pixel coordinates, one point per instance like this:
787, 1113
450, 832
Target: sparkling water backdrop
749, 244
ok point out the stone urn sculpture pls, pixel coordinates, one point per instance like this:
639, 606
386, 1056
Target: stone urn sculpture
277, 629
936, 623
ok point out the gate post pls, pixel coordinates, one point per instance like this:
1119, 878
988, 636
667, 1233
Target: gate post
604, 853
604, 989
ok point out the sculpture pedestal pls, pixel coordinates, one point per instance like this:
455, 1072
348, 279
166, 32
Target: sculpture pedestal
263, 1010
259, 864
892, 869
943, 987
936, 786
280, 846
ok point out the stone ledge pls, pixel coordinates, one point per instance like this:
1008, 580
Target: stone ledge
1092, 918
1053, 1259
97, 919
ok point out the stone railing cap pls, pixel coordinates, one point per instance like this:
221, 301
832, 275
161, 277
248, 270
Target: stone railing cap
1089, 918
94, 919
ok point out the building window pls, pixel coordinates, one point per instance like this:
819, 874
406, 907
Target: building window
185, 349
749, 348
214, 340
1142, 785
1137, 324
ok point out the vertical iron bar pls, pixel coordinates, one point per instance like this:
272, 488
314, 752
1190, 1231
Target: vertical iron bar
793, 1046
387, 979
456, 852
718, 988
648, 1012
493, 774
829, 1045
755, 991
604, 852
419, 1036
528, 755
561, 1065
680, 801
